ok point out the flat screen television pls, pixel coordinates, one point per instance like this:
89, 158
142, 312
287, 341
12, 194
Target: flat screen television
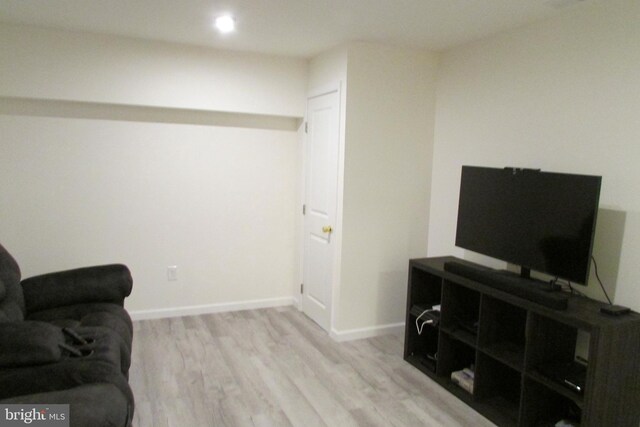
537, 220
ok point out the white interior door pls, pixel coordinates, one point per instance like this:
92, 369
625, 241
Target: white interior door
321, 181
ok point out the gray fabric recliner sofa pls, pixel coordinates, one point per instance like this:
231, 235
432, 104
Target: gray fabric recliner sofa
65, 338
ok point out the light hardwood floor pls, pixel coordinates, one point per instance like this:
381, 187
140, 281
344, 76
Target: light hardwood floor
275, 367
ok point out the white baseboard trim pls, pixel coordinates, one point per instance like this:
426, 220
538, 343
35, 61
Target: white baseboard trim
361, 333
195, 310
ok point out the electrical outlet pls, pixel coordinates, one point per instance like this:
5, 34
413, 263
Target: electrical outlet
560, 4
172, 273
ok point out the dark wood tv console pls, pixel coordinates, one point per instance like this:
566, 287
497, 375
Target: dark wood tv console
508, 339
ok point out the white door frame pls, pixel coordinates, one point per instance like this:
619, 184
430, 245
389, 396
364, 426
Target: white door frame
337, 233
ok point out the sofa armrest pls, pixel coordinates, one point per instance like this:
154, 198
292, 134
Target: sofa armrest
27, 343
106, 283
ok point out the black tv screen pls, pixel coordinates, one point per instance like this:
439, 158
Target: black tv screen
538, 220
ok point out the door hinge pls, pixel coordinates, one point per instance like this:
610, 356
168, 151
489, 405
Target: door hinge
302, 288
306, 127
304, 209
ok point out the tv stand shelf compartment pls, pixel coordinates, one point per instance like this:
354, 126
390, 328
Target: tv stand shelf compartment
507, 339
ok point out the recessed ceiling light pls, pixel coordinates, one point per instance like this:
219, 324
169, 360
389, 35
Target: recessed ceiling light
225, 23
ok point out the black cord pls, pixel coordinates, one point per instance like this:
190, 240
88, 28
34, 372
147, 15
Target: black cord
566, 286
556, 282
573, 291
595, 265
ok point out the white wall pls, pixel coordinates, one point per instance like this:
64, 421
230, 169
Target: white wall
328, 68
389, 135
216, 202
40, 63
561, 95
89, 184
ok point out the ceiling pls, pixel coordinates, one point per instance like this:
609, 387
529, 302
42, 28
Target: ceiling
301, 28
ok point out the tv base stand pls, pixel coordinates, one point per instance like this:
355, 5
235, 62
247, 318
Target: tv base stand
493, 349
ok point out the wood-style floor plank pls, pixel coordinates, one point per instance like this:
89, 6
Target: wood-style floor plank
276, 368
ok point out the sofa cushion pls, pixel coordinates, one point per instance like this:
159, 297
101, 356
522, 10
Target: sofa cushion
107, 315
12, 306
95, 405
29, 343
66, 374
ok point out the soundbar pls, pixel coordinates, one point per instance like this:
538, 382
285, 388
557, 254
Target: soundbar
529, 289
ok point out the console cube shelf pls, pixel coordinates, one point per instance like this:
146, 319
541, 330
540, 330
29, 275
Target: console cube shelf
506, 339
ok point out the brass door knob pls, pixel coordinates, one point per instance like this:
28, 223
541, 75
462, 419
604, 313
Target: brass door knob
327, 229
